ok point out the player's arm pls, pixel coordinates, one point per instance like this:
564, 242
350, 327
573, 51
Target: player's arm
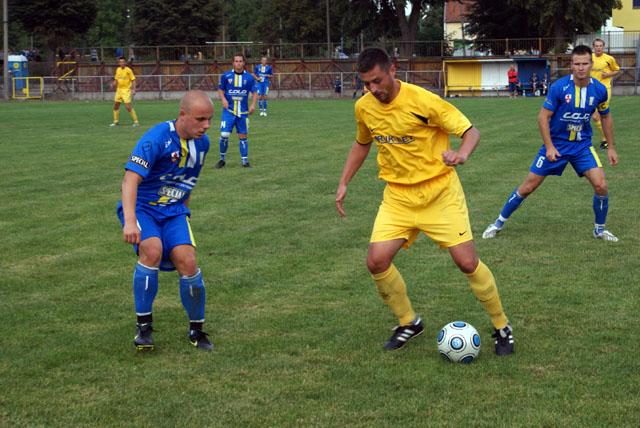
254, 100
545, 131
470, 140
130, 183
223, 99
607, 128
356, 158
133, 84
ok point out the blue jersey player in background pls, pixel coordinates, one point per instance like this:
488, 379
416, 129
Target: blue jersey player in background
159, 176
234, 89
564, 123
263, 73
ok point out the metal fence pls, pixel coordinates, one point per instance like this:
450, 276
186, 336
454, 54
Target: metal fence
283, 85
616, 42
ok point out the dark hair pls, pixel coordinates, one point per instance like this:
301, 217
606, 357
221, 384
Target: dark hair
240, 54
597, 40
581, 50
121, 57
370, 57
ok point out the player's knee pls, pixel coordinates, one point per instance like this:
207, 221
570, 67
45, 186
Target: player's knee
225, 134
467, 264
601, 187
377, 264
186, 265
150, 256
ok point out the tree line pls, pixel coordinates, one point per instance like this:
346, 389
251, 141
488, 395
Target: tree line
51, 24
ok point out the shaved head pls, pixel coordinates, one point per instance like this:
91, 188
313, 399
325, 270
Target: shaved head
193, 98
196, 110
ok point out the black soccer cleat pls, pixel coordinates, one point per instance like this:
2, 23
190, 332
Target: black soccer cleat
200, 340
503, 340
604, 145
220, 164
246, 165
144, 339
403, 333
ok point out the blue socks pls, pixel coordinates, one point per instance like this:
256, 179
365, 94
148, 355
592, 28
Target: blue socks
145, 288
600, 209
244, 150
224, 146
514, 201
193, 296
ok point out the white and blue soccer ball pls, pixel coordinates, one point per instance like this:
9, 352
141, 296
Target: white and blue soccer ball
459, 342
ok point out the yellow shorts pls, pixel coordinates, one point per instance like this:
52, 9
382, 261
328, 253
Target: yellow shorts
123, 96
436, 207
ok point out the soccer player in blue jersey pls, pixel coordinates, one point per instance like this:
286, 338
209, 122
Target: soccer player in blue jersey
154, 211
263, 72
234, 89
564, 123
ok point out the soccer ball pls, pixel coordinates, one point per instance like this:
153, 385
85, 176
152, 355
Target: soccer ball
459, 342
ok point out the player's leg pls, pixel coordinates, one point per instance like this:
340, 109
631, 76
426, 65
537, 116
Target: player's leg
177, 236
132, 112
483, 286
242, 125
116, 112
145, 288
600, 204
265, 97
393, 228
540, 168
227, 122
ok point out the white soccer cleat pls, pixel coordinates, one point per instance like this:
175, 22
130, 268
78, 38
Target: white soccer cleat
114, 124
491, 231
605, 235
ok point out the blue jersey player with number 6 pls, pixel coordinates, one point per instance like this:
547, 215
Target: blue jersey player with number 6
159, 176
564, 123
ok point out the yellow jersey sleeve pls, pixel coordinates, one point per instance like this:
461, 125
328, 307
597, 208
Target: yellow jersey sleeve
363, 135
445, 116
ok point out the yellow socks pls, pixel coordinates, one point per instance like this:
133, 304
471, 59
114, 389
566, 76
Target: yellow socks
116, 116
483, 286
393, 291
134, 116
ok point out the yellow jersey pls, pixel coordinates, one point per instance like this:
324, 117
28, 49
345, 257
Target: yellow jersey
411, 133
603, 64
124, 77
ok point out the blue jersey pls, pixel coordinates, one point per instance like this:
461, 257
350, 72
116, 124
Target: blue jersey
236, 88
263, 72
572, 107
169, 166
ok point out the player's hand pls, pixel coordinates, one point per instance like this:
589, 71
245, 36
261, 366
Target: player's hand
453, 158
133, 91
341, 193
225, 104
553, 154
131, 233
613, 156
252, 109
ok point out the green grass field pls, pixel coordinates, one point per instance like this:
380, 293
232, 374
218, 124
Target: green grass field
297, 323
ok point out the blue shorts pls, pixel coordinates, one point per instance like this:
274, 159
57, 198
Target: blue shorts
172, 231
513, 87
582, 157
263, 88
229, 120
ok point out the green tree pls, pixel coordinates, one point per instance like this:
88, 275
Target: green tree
171, 22
111, 26
57, 23
561, 19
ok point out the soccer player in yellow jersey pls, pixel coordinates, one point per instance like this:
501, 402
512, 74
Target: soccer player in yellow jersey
124, 82
604, 69
410, 127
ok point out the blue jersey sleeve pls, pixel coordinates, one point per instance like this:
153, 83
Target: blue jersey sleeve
553, 98
143, 157
251, 83
222, 85
603, 100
